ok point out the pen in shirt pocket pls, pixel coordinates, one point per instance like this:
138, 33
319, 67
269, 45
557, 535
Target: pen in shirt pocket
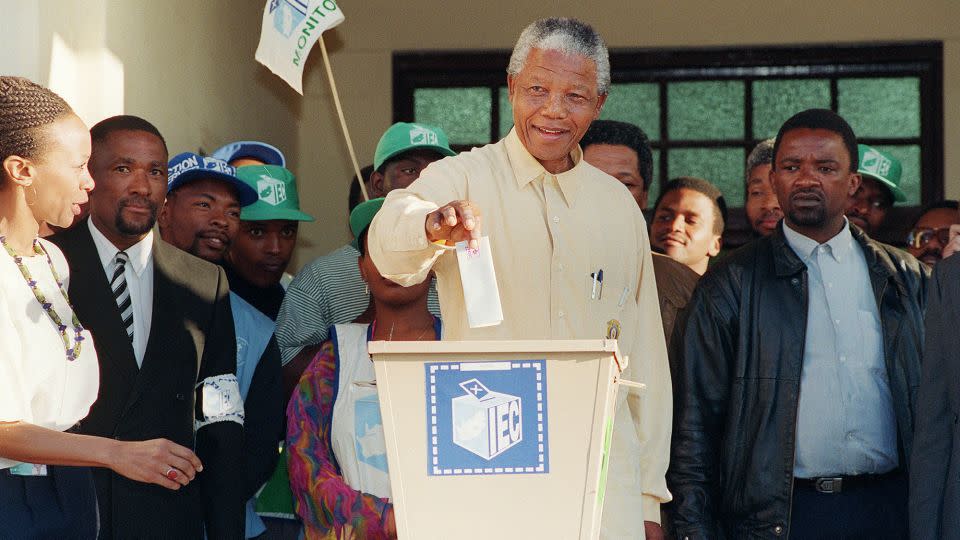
596, 291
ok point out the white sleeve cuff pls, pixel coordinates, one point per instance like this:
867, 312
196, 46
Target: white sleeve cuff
220, 400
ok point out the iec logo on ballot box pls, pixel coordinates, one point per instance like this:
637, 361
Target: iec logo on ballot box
487, 417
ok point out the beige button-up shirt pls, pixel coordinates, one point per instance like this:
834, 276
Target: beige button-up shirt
548, 234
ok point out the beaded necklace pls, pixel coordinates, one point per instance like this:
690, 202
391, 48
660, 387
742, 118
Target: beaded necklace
72, 352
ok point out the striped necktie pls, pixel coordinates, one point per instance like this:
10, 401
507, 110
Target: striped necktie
121, 293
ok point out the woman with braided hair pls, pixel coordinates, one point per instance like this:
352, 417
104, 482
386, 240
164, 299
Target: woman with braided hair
49, 375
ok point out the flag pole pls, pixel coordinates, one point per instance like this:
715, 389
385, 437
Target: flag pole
343, 121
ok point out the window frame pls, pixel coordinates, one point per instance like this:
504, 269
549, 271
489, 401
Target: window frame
920, 59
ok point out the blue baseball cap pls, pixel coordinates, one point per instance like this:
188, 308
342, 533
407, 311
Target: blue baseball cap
261, 151
187, 167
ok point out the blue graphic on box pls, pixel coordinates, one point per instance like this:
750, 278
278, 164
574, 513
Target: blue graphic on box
487, 418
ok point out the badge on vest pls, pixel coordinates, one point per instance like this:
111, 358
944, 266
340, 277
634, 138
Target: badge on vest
487, 418
28, 469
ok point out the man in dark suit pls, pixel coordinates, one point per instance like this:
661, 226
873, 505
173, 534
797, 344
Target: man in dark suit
163, 330
935, 465
202, 217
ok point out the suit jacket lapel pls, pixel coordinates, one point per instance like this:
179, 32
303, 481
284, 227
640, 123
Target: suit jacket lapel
90, 293
166, 314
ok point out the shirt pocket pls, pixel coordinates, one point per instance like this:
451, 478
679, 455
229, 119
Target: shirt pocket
608, 306
869, 354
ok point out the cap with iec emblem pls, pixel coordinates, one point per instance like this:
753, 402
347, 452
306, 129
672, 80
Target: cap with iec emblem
883, 168
404, 136
276, 189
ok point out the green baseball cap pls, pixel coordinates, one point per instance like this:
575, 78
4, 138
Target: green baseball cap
276, 188
361, 217
883, 168
404, 136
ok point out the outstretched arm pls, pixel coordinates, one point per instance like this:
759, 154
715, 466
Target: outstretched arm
432, 209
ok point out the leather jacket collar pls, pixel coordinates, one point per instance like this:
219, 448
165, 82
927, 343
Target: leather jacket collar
879, 263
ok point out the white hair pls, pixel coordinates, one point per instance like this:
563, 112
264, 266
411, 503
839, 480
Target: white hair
762, 154
565, 35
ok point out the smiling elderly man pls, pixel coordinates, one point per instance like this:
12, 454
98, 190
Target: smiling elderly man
552, 219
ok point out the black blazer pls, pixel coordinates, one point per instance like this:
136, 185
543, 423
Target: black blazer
935, 463
191, 338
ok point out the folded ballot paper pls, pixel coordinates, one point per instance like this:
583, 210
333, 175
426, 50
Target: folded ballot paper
481, 296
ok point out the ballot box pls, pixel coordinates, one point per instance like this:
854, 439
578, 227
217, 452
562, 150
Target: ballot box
497, 439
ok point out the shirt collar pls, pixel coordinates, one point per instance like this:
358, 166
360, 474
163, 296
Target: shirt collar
139, 253
839, 247
526, 168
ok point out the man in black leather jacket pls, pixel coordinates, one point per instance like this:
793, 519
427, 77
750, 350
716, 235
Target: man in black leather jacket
786, 424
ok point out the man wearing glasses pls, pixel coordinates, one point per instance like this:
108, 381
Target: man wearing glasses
930, 236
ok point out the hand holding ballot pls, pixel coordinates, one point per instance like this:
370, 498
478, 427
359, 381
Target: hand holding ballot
457, 221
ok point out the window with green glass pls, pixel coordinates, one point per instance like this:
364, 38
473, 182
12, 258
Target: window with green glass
636, 103
654, 190
463, 113
881, 107
722, 167
506, 112
776, 101
705, 109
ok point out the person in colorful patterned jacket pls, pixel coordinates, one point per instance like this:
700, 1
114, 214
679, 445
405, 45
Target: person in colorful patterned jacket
339, 475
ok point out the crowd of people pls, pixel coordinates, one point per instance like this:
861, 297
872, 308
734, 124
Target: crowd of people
163, 376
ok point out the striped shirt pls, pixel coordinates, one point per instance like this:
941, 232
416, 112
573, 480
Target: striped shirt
327, 291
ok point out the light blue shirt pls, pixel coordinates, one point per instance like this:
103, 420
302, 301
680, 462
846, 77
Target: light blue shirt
845, 422
253, 331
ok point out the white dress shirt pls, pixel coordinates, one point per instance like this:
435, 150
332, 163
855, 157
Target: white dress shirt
139, 275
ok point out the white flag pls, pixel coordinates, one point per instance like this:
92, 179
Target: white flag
290, 29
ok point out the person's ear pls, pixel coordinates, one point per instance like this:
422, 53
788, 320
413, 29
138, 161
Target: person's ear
855, 181
715, 246
363, 271
19, 170
376, 183
601, 99
163, 218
